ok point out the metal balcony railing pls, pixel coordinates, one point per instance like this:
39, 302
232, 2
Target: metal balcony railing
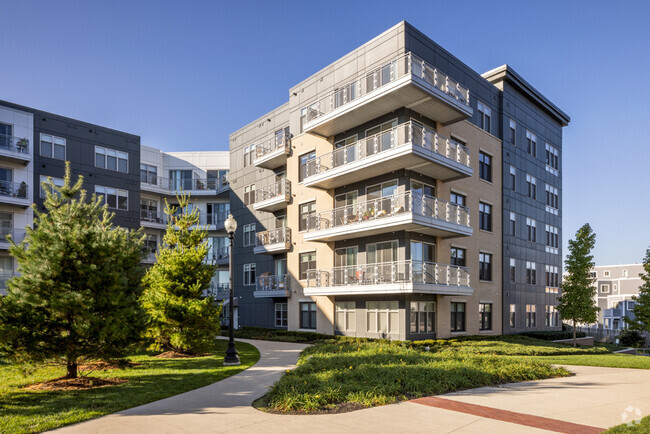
216, 218
279, 188
272, 283
373, 81
401, 135
219, 291
270, 145
17, 235
274, 236
153, 216
408, 271
220, 253
196, 184
389, 206
14, 189
4, 278
14, 144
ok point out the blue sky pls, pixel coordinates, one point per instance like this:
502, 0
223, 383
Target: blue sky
183, 75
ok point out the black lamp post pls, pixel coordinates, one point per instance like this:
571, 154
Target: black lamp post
231, 359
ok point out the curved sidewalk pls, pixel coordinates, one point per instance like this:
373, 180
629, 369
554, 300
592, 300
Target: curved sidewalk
594, 397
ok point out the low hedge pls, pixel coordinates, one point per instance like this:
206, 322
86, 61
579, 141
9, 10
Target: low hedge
554, 336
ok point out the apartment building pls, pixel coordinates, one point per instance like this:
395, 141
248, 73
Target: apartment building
615, 287
377, 201
202, 175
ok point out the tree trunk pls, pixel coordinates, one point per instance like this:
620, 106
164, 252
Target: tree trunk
574, 334
72, 369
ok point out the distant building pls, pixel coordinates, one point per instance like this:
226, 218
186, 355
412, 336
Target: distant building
616, 284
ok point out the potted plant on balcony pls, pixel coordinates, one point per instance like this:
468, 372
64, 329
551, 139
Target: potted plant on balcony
22, 144
199, 185
22, 190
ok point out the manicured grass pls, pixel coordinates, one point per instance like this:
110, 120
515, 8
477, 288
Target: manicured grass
365, 373
154, 378
604, 360
642, 426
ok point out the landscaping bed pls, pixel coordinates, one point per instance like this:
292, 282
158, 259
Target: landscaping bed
148, 378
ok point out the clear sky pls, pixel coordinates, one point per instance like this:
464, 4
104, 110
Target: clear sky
185, 74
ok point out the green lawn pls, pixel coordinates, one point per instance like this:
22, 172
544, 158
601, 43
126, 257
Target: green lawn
155, 378
605, 360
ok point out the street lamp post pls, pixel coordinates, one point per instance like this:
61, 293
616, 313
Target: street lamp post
231, 359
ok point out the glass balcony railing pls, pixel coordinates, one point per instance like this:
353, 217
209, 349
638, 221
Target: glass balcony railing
280, 188
17, 190
219, 291
17, 235
14, 144
409, 133
274, 236
398, 204
375, 80
398, 272
153, 216
272, 283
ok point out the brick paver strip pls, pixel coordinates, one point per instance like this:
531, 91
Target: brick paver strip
508, 416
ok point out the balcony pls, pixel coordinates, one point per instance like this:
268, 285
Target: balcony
612, 313
401, 277
17, 235
406, 81
196, 186
272, 286
214, 220
409, 211
273, 153
223, 184
4, 278
220, 291
221, 255
15, 149
150, 258
407, 146
273, 241
14, 193
273, 197
153, 219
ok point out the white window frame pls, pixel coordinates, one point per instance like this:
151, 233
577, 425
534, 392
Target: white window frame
553, 152
513, 127
119, 155
118, 192
56, 181
249, 268
247, 230
485, 113
283, 314
348, 312
52, 141
552, 193
382, 307
531, 143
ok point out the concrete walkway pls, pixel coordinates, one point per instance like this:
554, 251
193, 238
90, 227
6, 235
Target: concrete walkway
594, 398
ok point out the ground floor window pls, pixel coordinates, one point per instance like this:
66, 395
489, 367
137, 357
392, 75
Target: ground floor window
423, 318
308, 315
485, 316
551, 316
513, 309
280, 314
530, 315
457, 317
383, 316
346, 317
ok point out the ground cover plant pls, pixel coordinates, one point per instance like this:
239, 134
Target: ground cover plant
638, 426
150, 378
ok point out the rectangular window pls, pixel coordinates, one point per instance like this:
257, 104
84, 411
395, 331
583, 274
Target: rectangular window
56, 181
485, 216
531, 225
606, 273
111, 159
531, 184
552, 239
249, 234
551, 316
513, 311
281, 314
53, 146
382, 317
485, 266
531, 143
552, 160
307, 262
151, 243
531, 273
485, 316
513, 224
485, 166
345, 316
307, 212
458, 256
513, 178
308, 315
513, 132
552, 199
249, 194
530, 315
552, 276
513, 269
113, 197
149, 174
458, 199
423, 318
249, 274
484, 117
457, 317
604, 288
307, 165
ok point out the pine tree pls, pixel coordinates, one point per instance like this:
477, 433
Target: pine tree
577, 302
182, 317
77, 294
641, 309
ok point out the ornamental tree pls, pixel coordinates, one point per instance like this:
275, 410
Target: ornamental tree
77, 294
641, 309
182, 316
577, 302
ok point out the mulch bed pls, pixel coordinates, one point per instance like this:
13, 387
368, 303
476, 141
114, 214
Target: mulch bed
79, 383
180, 355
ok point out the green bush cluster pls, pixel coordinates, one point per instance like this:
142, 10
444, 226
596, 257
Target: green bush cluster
554, 335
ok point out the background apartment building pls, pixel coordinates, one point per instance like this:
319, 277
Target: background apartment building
615, 287
372, 202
